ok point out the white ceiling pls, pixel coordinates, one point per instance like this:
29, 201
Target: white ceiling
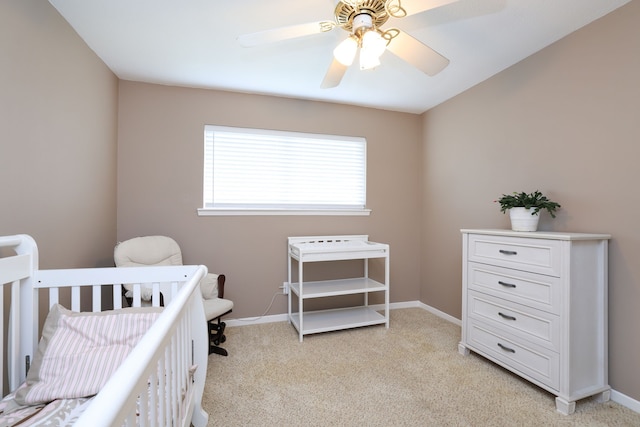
193, 43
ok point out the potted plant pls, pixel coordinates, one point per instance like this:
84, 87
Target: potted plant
524, 209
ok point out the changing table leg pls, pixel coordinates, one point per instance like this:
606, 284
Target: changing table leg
300, 300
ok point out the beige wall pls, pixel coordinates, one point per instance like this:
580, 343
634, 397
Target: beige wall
58, 106
565, 121
160, 157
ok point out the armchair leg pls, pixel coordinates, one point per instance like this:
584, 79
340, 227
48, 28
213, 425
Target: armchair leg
218, 350
216, 337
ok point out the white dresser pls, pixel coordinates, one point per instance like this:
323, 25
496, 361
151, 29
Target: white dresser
536, 304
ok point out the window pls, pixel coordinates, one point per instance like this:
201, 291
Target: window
259, 171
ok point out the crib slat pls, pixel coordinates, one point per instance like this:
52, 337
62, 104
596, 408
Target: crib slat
155, 294
184, 347
117, 296
131, 420
54, 296
75, 298
137, 301
143, 401
175, 287
96, 298
180, 366
153, 397
168, 401
161, 391
173, 387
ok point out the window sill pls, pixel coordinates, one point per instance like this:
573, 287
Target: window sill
316, 212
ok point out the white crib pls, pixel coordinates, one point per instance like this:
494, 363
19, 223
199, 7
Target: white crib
156, 384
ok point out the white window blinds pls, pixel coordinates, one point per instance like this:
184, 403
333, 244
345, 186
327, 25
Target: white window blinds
262, 169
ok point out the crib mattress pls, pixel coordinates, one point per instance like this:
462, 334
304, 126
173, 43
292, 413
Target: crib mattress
62, 412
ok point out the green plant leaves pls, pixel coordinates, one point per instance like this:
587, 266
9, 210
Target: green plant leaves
535, 201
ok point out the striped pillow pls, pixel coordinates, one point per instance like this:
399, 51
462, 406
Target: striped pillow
78, 352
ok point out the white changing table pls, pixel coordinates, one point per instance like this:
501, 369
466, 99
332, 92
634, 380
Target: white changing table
334, 248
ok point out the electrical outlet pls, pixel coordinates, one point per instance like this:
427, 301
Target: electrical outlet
285, 288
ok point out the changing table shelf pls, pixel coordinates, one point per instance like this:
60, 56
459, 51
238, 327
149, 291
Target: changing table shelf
333, 320
330, 288
335, 248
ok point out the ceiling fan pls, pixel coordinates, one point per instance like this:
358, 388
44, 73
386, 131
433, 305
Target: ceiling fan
363, 20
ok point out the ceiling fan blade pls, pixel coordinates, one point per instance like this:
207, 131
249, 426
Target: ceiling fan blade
416, 6
285, 33
417, 54
334, 74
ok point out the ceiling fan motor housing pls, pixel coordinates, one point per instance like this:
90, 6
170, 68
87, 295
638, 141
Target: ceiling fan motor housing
353, 15
361, 23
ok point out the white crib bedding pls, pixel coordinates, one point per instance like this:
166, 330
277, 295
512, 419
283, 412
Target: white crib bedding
60, 412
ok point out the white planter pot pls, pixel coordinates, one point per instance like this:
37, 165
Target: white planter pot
522, 220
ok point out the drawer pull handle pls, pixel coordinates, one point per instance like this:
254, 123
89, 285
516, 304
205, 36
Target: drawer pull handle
505, 284
505, 348
506, 316
504, 252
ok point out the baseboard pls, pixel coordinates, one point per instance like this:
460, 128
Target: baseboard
257, 320
283, 317
439, 313
626, 401
392, 306
616, 396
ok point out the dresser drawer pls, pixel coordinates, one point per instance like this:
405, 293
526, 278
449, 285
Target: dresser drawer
535, 290
539, 364
532, 325
533, 255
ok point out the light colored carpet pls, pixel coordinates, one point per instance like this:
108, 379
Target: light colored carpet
408, 375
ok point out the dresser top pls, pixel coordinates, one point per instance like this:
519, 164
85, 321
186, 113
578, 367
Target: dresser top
554, 235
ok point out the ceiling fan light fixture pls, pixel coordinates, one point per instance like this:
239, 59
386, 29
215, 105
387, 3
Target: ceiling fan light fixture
372, 40
373, 46
368, 61
345, 52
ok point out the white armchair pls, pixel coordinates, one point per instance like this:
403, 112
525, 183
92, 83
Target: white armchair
163, 250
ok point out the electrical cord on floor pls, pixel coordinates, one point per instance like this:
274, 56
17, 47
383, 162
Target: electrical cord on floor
253, 319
